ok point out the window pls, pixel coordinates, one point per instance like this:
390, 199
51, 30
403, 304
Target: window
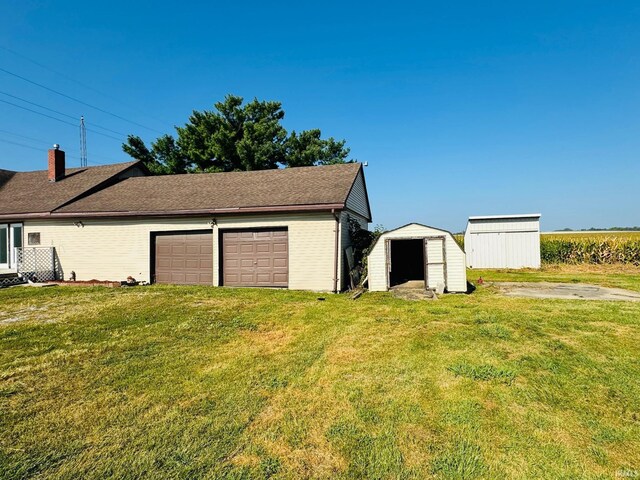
4, 245
33, 238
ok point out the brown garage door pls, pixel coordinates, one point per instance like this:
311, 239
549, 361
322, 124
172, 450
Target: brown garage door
184, 258
255, 258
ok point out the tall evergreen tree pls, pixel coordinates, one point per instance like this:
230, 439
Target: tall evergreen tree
234, 137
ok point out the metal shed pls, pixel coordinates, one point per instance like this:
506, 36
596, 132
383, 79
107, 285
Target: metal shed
417, 253
503, 241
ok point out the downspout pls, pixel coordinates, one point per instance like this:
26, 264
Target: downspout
337, 245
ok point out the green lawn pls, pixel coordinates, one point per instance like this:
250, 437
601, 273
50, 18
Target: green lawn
615, 276
189, 382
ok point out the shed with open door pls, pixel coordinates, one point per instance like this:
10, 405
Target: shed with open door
417, 252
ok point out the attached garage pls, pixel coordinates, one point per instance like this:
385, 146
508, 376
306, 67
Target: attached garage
255, 258
417, 253
184, 258
286, 228
503, 241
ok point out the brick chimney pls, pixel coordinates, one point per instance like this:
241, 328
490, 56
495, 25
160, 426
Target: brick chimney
56, 163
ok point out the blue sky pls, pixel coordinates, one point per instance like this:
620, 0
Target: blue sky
463, 108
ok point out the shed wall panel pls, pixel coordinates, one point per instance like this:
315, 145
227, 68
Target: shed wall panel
504, 225
503, 243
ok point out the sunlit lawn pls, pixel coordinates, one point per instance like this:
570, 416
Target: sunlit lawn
188, 382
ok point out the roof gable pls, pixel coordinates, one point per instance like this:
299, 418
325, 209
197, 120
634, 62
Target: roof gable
419, 229
24, 193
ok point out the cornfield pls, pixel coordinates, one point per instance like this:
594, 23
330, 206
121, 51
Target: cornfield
587, 247
593, 248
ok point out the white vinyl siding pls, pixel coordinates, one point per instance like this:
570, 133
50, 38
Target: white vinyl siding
435, 262
499, 242
112, 249
456, 275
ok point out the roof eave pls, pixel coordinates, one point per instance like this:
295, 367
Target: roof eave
497, 217
326, 207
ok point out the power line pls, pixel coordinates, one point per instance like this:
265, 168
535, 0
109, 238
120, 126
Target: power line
40, 150
7, 132
58, 119
42, 142
58, 112
88, 87
77, 100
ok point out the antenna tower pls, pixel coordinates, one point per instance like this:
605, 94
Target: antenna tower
83, 143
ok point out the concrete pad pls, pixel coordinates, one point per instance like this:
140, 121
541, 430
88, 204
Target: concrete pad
567, 291
413, 290
411, 284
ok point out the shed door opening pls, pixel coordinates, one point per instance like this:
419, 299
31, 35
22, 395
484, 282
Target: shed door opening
407, 261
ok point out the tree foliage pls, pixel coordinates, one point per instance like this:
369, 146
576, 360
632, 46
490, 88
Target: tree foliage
234, 137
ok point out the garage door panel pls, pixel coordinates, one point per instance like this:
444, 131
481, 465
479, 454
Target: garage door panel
255, 258
184, 258
246, 248
231, 248
280, 263
163, 262
230, 278
280, 277
192, 263
231, 263
263, 248
264, 262
279, 247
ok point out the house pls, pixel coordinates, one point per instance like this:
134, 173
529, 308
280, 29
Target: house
273, 228
419, 253
503, 241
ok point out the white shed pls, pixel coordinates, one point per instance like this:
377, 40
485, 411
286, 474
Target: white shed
503, 241
417, 252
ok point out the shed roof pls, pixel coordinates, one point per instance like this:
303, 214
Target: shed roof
501, 217
408, 225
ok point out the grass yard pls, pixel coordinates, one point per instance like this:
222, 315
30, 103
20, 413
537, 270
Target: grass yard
614, 276
189, 382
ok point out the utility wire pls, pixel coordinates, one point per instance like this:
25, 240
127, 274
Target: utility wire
77, 100
59, 113
40, 150
59, 119
88, 87
42, 142
7, 132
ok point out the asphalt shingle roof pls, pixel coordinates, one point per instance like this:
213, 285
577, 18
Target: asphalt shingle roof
32, 192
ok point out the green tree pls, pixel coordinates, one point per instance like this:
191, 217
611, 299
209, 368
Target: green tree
233, 137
